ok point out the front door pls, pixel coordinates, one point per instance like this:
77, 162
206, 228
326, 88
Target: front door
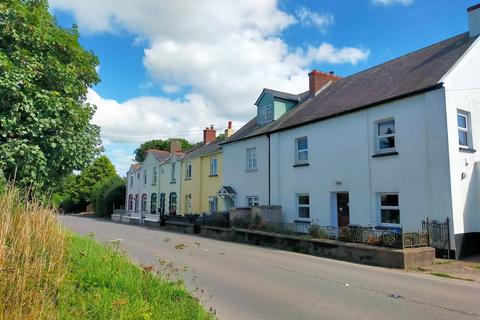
343, 210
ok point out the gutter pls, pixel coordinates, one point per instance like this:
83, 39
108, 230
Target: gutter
269, 171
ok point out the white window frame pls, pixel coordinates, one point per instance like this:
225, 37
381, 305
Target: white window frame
131, 180
298, 151
380, 208
145, 178
378, 137
298, 205
253, 201
251, 160
213, 204
213, 166
188, 171
467, 129
154, 176
173, 170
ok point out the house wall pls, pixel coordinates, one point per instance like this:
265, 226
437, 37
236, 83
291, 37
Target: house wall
148, 188
167, 186
209, 185
281, 106
235, 173
190, 187
340, 160
462, 86
132, 188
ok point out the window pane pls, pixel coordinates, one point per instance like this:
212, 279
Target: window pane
302, 144
386, 127
386, 143
389, 200
462, 121
269, 113
390, 216
305, 200
303, 156
304, 212
462, 138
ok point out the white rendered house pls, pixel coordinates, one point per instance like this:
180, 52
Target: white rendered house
386, 147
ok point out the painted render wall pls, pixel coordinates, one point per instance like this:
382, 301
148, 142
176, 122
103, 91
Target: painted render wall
133, 188
341, 149
166, 184
462, 87
148, 164
209, 185
190, 187
235, 173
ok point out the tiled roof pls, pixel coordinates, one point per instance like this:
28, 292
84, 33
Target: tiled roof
202, 150
160, 155
416, 72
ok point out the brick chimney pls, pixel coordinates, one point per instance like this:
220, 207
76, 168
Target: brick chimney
318, 80
229, 131
474, 20
175, 146
209, 134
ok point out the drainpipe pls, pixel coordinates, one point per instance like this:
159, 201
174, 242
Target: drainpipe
269, 174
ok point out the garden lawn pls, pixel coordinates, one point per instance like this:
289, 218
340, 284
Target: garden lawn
102, 283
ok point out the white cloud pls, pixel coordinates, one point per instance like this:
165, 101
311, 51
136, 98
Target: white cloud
392, 2
221, 52
320, 20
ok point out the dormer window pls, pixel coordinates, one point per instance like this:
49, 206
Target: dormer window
265, 113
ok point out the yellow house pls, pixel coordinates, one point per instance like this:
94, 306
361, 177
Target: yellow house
202, 176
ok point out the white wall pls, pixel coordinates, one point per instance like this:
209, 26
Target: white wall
246, 183
165, 181
341, 149
462, 87
134, 188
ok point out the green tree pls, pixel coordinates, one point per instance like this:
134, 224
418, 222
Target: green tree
108, 193
45, 130
102, 168
159, 144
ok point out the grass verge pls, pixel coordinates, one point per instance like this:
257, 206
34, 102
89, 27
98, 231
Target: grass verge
449, 276
46, 273
102, 283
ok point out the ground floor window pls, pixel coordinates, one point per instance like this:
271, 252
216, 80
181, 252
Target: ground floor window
389, 208
153, 203
303, 205
162, 203
144, 202
173, 203
252, 201
137, 202
130, 202
213, 203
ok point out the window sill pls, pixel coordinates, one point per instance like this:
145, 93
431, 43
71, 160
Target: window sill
302, 220
173, 182
385, 154
467, 150
213, 175
306, 164
251, 170
186, 179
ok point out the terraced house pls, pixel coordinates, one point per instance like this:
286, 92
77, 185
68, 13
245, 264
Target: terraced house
386, 147
202, 175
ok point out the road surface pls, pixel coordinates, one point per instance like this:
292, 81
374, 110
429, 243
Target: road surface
249, 282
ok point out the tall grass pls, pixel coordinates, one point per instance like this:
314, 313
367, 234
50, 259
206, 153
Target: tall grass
32, 257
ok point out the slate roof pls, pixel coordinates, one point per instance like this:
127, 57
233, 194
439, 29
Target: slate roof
160, 155
135, 166
413, 73
203, 150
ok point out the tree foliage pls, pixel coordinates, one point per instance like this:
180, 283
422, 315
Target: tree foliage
159, 144
45, 130
108, 193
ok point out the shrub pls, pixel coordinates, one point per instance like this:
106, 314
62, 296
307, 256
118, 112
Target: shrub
3, 182
106, 194
316, 231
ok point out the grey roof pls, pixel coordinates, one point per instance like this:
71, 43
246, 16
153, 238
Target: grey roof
160, 155
415, 72
203, 150
279, 94
229, 189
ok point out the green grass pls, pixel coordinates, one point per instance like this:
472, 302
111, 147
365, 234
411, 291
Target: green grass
476, 266
448, 275
102, 283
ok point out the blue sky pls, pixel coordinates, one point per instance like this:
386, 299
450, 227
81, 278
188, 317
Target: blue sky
172, 68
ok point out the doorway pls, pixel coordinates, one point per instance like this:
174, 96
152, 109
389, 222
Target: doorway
343, 209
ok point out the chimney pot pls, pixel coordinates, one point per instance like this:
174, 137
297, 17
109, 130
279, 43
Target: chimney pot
318, 80
209, 134
229, 131
474, 20
229, 124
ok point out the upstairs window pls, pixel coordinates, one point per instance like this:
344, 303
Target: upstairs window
464, 132
213, 166
303, 205
154, 175
252, 159
172, 172
385, 131
265, 114
144, 176
188, 171
389, 208
301, 150
131, 180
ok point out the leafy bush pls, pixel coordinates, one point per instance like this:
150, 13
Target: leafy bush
106, 194
3, 182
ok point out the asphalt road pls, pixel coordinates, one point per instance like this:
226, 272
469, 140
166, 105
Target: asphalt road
248, 282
